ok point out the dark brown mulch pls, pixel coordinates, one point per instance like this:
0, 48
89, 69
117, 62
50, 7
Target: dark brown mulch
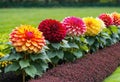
92, 68
10, 77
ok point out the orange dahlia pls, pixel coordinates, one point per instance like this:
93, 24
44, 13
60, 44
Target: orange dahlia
27, 38
116, 18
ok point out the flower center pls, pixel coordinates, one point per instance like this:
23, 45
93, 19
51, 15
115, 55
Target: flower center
54, 28
29, 35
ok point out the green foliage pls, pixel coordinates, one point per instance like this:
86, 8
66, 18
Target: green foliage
13, 67
26, 63
107, 37
31, 71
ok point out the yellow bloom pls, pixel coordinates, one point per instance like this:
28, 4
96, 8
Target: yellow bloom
5, 63
27, 38
94, 26
1, 55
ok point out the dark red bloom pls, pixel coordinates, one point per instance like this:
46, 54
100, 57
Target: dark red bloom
53, 30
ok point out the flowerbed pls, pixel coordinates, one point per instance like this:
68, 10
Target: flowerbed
31, 51
93, 68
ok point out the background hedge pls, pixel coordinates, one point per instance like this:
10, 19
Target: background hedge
58, 3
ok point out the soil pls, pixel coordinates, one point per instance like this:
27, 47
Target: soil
92, 68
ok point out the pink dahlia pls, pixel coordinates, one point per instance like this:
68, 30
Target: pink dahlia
52, 30
116, 18
107, 19
75, 26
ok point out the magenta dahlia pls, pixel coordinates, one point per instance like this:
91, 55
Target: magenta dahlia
107, 19
75, 26
53, 30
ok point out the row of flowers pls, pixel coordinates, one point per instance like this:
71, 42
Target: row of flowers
33, 50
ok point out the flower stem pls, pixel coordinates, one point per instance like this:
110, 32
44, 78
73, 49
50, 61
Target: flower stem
23, 73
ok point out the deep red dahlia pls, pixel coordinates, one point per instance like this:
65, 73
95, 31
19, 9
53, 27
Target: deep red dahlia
52, 30
107, 19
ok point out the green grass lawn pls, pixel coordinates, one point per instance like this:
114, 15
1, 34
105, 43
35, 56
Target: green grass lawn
115, 77
10, 18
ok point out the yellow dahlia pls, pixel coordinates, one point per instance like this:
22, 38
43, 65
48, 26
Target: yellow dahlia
27, 38
94, 26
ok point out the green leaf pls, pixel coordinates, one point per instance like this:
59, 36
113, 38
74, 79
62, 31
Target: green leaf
55, 60
24, 63
69, 56
15, 56
115, 35
56, 45
73, 45
60, 54
96, 44
105, 35
90, 40
65, 44
35, 56
85, 48
13, 67
51, 54
44, 65
78, 54
83, 39
103, 40
38, 68
114, 29
106, 30
44, 56
76, 38
31, 71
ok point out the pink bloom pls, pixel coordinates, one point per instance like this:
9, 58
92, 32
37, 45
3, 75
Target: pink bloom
75, 26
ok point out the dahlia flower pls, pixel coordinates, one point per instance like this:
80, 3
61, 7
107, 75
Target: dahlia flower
108, 20
27, 38
93, 26
5, 63
101, 23
52, 30
116, 18
75, 26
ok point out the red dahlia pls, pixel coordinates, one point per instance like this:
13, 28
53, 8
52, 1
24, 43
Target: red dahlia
107, 19
53, 30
